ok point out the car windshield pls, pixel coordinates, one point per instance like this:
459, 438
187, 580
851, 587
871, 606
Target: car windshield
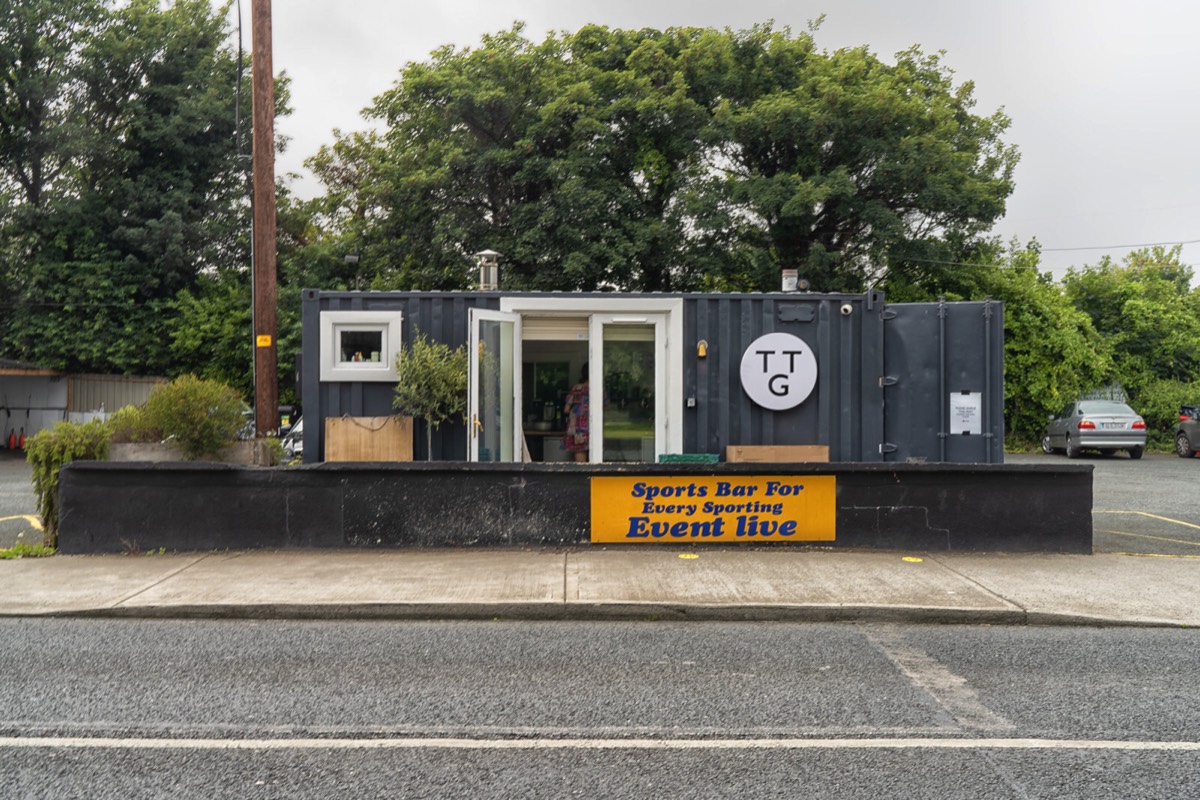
1105, 407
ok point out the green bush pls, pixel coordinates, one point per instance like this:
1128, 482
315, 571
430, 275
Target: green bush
52, 448
1158, 402
129, 424
200, 416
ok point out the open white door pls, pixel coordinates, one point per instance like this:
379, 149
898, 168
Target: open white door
494, 403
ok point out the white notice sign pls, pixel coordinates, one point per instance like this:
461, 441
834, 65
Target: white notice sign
966, 413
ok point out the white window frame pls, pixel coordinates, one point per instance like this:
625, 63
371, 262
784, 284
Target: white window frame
334, 323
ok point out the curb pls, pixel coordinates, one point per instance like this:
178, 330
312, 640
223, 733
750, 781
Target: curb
577, 612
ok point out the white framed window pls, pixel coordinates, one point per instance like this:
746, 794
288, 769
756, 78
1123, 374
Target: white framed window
359, 345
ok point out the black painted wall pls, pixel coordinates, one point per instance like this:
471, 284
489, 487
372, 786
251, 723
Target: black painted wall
110, 507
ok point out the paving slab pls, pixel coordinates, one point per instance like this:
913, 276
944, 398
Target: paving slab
70, 584
1152, 590
824, 585
312, 579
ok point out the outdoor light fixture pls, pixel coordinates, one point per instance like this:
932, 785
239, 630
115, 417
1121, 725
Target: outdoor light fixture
702, 348
489, 270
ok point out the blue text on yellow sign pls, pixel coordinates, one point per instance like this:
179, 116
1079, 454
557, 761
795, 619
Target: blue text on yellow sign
744, 509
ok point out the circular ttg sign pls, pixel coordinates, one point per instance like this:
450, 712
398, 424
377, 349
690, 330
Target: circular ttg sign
779, 371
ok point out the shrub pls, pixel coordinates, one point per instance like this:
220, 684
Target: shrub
52, 448
1158, 402
201, 416
129, 424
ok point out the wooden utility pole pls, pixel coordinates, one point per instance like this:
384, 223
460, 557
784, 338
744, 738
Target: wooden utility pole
266, 386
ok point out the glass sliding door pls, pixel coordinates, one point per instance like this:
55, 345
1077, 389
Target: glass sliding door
494, 403
628, 388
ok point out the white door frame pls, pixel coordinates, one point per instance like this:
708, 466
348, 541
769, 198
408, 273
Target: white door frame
668, 381
474, 317
596, 325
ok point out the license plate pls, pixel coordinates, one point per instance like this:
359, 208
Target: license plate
1113, 425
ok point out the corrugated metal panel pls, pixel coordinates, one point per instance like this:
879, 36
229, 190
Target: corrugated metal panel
935, 351
884, 371
442, 316
837, 413
110, 392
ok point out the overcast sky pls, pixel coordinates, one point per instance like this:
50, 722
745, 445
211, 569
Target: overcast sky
1104, 95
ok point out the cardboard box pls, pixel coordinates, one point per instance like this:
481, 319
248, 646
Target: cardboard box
777, 453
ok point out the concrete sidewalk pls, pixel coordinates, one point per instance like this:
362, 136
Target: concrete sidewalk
620, 583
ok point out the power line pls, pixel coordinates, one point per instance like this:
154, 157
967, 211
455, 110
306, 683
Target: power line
1117, 246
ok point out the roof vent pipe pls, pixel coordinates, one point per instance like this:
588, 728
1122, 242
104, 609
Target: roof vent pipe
489, 270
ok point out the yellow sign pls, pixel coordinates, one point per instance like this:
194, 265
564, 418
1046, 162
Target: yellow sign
263, 340
759, 508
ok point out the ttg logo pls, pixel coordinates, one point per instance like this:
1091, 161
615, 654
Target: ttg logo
779, 371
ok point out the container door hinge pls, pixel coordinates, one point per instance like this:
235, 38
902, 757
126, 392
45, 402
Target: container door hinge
887, 447
888, 380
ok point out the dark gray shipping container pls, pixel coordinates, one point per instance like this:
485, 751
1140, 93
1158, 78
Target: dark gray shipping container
894, 382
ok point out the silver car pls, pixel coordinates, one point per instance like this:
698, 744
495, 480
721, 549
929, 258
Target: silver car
293, 441
1103, 425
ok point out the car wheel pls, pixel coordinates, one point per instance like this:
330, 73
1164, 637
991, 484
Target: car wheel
1046, 448
1072, 450
1135, 452
1183, 447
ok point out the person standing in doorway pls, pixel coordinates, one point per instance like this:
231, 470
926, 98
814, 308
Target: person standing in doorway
576, 409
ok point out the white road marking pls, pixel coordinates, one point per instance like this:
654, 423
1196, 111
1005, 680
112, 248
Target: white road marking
947, 689
67, 743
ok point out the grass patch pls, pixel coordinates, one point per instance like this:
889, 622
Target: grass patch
22, 550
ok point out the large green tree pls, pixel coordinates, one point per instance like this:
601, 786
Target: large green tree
847, 168
667, 160
147, 195
1147, 309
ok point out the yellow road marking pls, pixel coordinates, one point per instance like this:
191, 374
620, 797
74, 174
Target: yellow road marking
1146, 555
30, 518
1152, 516
1147, 536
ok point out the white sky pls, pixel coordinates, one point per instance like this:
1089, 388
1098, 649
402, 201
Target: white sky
1104, 95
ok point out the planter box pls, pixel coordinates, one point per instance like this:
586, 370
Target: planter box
242, 453
369, 439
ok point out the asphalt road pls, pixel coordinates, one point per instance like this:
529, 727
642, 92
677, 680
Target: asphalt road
1144, 507
18, 506
208, 709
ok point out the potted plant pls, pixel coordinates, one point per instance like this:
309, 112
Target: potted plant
432, 385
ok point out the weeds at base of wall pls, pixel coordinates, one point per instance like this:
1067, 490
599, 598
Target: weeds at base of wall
23, 550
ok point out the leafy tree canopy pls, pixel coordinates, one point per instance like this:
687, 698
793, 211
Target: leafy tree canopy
667, 160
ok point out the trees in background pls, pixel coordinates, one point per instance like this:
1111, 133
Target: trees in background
1148, 314
676, 160
128, 200
667, 160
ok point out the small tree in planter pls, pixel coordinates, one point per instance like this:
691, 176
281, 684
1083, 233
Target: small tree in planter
432, 384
